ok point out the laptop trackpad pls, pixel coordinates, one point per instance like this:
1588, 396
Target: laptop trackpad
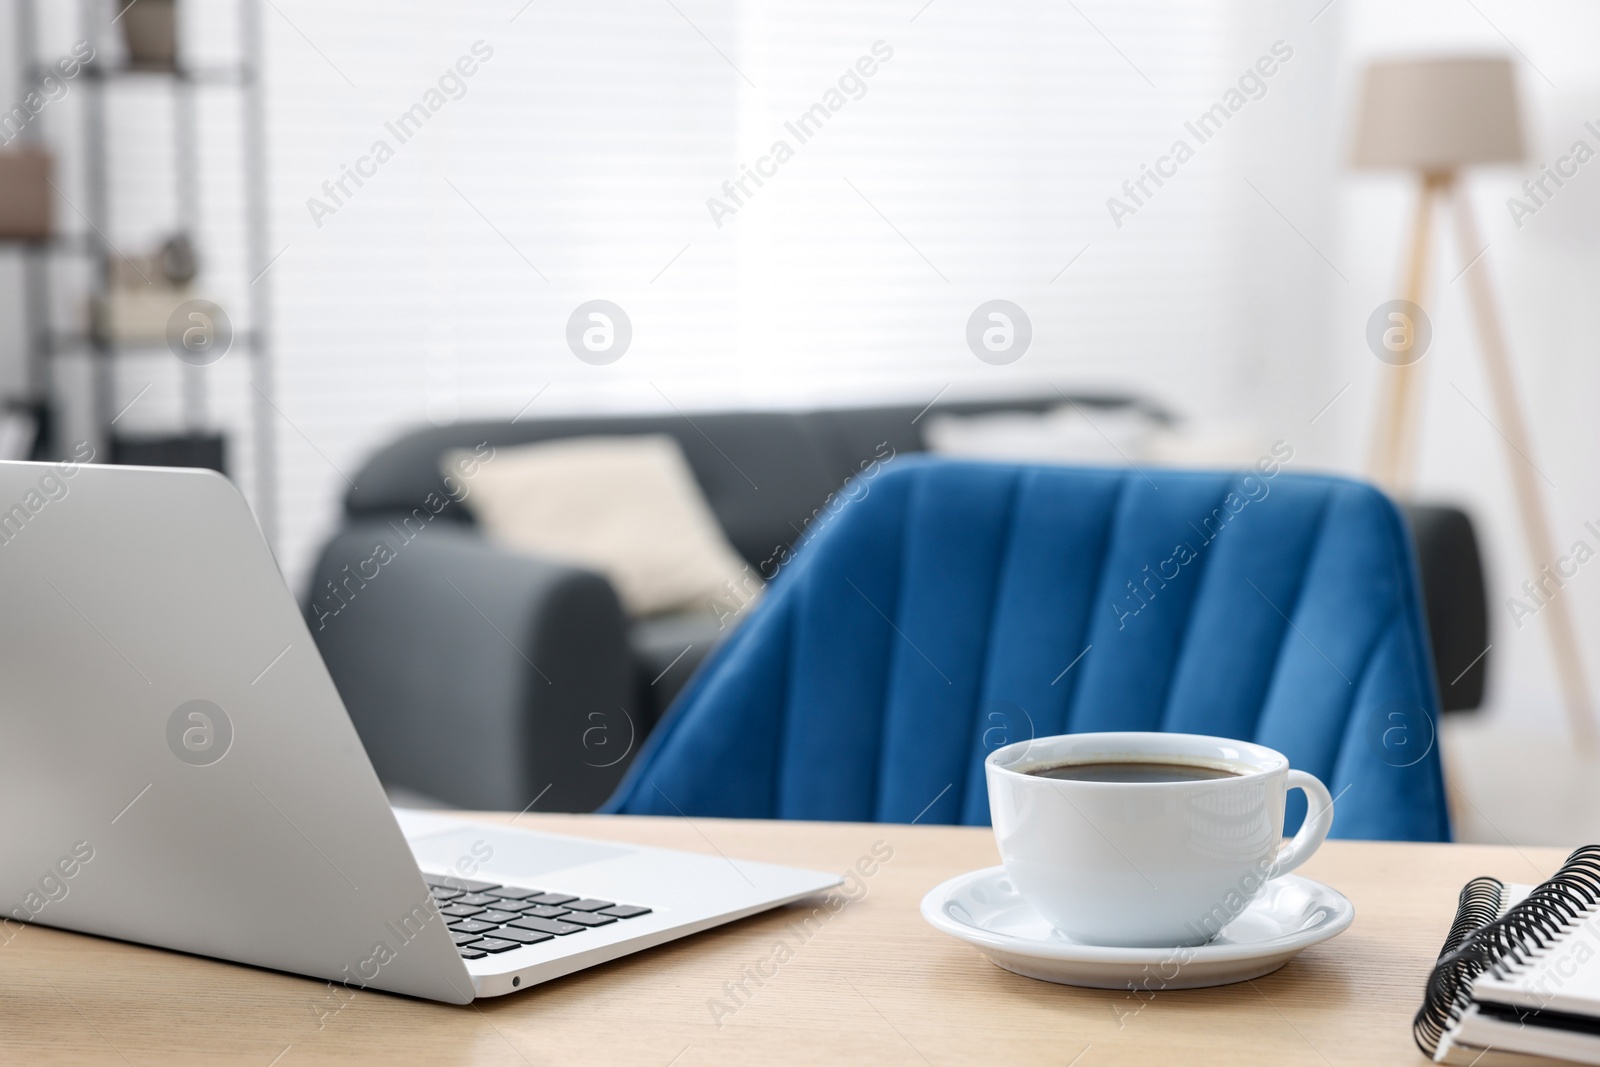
508, 855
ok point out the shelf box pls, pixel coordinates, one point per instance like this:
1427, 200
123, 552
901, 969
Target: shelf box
27, 203
127, 315
178, 450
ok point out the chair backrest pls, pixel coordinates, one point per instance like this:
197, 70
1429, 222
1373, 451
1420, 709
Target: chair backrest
951, 607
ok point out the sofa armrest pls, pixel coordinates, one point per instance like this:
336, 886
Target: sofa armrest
480, 676
1454, 593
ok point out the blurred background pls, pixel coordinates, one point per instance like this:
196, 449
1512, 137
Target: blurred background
227, 152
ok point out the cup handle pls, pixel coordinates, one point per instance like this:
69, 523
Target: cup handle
1319, 820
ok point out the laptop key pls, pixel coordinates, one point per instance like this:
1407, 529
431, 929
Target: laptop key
546, 926
552, 898
497, 917
468, 953
451, 881
511, 892
527, 937
440, 893
464, 939
583, 918
477, 900
587, 904
459, 911
626, 911
495, 944
473, 926
501, 904
543, 911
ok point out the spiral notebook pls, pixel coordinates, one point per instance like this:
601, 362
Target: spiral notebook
1518, 981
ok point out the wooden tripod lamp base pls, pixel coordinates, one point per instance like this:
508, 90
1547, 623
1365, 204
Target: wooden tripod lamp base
1437, 116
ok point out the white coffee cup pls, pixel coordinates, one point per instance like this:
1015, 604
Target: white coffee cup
1147, 864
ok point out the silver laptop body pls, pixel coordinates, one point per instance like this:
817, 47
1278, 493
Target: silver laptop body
177, 769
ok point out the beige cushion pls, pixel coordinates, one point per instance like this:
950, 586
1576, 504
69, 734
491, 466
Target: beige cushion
628, 507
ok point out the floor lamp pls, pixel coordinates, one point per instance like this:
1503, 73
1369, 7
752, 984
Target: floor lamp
1434, 117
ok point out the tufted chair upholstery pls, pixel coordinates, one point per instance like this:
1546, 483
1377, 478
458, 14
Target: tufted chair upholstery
955, 606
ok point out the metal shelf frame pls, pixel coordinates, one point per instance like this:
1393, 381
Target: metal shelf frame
43, 340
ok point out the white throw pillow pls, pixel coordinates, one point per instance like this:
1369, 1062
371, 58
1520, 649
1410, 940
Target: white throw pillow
1095, 436
628, 507
1059, 435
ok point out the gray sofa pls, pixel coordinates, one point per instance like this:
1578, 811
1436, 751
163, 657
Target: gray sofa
493, 679
489, 678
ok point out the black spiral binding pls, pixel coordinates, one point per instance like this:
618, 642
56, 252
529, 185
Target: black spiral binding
1479, 942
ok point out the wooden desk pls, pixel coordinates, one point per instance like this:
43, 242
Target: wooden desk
876, 985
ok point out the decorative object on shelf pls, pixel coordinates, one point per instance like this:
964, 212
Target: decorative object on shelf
179, 263
1437, 116
150, 32
26, 200
145, 289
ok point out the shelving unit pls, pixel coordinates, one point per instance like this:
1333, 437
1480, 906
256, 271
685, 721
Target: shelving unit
90, 148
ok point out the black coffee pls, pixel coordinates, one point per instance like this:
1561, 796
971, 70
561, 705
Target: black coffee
1149, 771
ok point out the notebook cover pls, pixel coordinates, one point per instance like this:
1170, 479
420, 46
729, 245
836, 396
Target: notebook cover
1558, 978
1488, 1042
1518, 980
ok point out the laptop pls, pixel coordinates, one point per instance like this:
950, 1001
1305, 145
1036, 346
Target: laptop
179, 771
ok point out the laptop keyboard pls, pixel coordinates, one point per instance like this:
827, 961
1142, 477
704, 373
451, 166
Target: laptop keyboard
486, 918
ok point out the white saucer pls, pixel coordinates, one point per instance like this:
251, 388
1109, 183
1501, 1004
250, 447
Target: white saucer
983, 908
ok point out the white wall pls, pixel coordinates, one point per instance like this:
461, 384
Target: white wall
594, 136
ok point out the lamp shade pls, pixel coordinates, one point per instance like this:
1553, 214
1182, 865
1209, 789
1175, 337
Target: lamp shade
1438, 114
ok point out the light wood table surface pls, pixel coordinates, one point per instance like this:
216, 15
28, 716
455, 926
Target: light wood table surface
876, 985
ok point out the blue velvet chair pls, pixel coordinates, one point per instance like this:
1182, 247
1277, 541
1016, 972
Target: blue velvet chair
955, 606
